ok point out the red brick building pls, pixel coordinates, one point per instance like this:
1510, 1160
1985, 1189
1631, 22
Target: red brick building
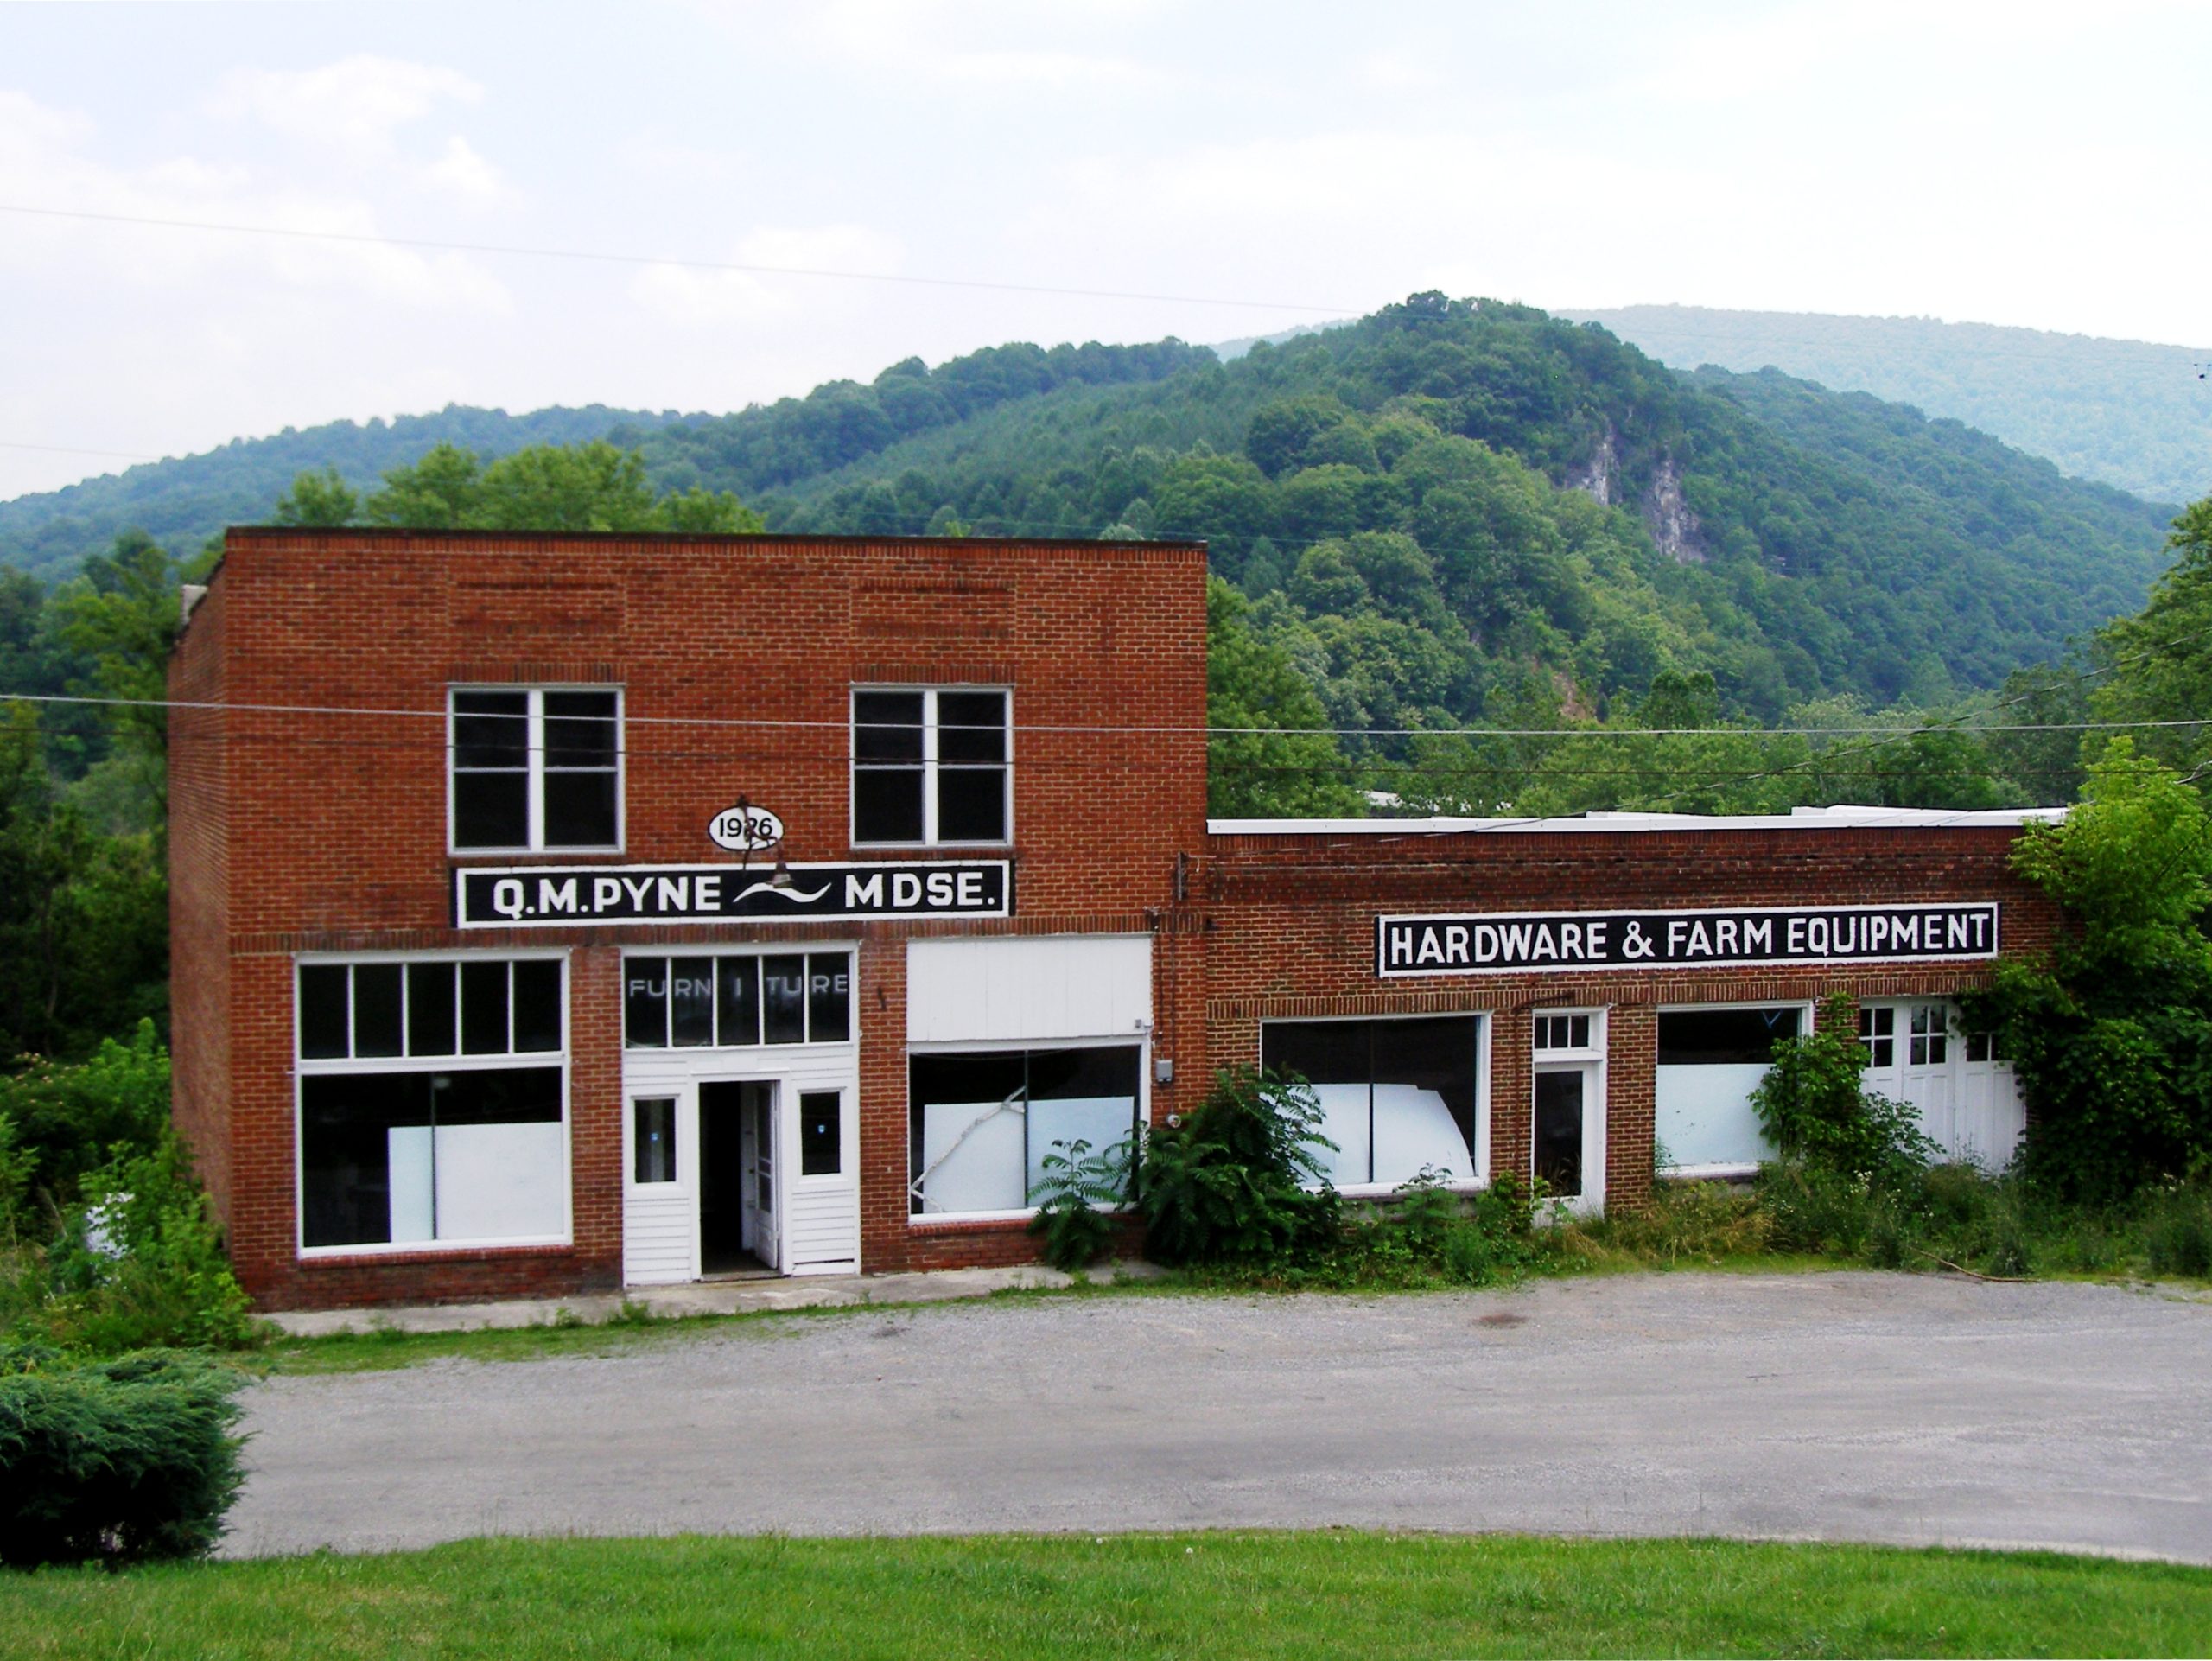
560, 912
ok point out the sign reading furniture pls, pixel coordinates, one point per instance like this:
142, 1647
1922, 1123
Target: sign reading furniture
547, 895
1498, 943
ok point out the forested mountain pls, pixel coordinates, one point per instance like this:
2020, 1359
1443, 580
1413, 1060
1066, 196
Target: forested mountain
1447, 505
2127, 413
183, 501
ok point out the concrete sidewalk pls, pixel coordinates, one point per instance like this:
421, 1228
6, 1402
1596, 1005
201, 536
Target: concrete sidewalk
727, 1297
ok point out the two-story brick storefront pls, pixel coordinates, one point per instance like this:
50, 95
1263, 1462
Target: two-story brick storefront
567, 911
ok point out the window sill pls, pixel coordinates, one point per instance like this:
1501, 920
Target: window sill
357, 1257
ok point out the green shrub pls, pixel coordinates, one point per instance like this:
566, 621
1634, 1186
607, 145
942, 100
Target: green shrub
1815, 1107
68, 1117
1077, 1196
114, 1461
1239, 1182
1469, 1255
2177, 1230
141, 1263
1687, 1222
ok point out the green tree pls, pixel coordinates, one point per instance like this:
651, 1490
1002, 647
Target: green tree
320, 499
2160, 660
593, 487
1252, 684
2111, 1032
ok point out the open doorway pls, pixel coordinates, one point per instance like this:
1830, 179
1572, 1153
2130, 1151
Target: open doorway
737, 1178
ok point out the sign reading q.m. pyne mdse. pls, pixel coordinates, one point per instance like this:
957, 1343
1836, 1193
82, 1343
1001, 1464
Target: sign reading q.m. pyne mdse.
550, 895
1510, 942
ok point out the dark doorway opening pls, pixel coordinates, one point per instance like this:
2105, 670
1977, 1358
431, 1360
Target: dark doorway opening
733, 1236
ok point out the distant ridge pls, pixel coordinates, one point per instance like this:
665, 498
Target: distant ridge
2128, 413
182, 502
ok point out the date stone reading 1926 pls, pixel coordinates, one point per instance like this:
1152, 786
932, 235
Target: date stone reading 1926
1506, 942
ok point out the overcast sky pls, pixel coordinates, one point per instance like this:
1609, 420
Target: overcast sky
2024, 163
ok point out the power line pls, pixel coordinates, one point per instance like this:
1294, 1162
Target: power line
600, 257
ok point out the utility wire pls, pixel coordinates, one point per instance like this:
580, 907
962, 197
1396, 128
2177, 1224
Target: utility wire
600, 257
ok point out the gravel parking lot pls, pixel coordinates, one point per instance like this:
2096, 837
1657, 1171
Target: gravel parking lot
1908, 1408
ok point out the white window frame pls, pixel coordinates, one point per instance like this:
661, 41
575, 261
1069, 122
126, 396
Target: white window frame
929, 765
1485, 1020
304, 1069
1593, 1060
1141, 1041
1806, 1007
534, 786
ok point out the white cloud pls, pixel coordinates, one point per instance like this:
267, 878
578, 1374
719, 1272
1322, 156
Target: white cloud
464, 173
357, 103
689, 295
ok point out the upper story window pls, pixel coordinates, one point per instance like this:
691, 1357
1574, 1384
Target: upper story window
931, 765
535, 768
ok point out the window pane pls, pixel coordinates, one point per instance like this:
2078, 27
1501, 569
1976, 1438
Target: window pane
579, 810
887, 805
1088, 1096
653, 1137
783, 999
1723, 1037
496, 1096
322, 1011
886, 725
483, 1009
1424, 1108
820, 1133
490, 810
499, 1154
738, 1000
352, 1130
644, 1003
1558, 1132
691, 1000
431, 1012
491, 729
376, 1009
1334, 1057
965, 1135
971, 727
538, 1004
971, 805
579, 729
829, 997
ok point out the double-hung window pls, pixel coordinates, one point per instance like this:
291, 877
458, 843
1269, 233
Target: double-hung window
932, 765
535, 768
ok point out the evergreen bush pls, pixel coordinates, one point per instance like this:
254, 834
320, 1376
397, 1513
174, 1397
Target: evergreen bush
114, 1461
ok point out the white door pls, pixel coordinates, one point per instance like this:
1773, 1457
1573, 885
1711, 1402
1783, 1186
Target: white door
761, 1236
1569, 1134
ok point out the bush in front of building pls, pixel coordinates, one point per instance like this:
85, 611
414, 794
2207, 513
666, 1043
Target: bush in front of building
1240, 1182
1814, 1108
1082, 1190
116, 1462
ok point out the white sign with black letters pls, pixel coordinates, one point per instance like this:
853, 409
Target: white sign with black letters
1521, 942
744, 829
545, 896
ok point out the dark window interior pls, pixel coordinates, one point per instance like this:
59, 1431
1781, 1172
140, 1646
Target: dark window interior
820, 1133
1436, 1053
1558, 1131
653, 1138
1721, 1037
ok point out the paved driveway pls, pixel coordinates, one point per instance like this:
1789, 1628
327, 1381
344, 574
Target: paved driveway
1863, 1407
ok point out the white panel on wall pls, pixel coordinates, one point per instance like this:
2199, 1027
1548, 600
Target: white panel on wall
657, 1230
407, 1160
501, 1181
1414, 1132
1022, 989
1703, 1116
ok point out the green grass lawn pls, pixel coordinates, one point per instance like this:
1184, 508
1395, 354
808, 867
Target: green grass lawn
1069, 1596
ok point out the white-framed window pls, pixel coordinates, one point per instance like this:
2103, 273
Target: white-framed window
1710, 1060
1931, 1035
981, 1122
1399, 1094
736, 1000
432, 1101
1568, 1115
1877, 1034
932, 766
1563, 1034
534, 769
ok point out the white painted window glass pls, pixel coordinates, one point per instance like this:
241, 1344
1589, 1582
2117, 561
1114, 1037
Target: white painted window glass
980, 1125
1397, 1098
931, 765
535, 768
736, 1001
455, 1130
